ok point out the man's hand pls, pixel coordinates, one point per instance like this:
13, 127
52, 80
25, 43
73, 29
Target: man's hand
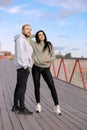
46, 60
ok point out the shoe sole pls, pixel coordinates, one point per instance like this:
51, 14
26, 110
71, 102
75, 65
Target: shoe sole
38, 111
16, 111
59, 113
22, 113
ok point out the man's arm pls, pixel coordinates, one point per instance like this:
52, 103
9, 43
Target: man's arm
20, 52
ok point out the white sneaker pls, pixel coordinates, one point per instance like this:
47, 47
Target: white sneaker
57, 110
38, 108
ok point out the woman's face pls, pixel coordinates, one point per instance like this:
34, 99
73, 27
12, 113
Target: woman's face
41, 36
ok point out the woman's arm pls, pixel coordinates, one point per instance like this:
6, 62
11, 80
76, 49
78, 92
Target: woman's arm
52, 56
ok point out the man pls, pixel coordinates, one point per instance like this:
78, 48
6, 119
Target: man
23, 61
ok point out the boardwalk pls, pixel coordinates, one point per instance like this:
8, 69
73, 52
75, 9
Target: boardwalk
73, 103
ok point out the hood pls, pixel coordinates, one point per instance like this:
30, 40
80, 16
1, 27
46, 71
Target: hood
16, 37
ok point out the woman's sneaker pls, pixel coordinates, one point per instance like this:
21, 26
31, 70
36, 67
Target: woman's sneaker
38, 108
57, 110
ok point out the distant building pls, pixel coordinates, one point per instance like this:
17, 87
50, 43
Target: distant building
6, 55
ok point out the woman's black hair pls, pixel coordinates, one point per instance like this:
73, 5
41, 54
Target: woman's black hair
47, 43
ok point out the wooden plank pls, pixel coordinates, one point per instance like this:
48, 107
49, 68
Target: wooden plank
44, 114
40, 120
1, 127
34, 123
21, 122
6, 122
13, 117
72, 101
70, 121
1, 122
36, 126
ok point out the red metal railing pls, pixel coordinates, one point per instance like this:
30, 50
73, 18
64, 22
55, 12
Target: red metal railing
72, 70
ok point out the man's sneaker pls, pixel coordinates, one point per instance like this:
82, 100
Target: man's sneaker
25, 111
15, 109
57, 110
38, 108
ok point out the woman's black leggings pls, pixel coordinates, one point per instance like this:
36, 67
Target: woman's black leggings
47, 76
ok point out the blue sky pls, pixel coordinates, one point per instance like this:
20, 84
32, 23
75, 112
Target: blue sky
64, 22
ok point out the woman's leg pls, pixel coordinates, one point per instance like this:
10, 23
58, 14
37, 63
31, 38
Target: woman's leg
36, 80
49, 80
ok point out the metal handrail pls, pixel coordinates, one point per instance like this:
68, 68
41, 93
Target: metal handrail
71, 70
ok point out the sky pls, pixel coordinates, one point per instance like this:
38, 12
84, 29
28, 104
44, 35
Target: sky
64, 22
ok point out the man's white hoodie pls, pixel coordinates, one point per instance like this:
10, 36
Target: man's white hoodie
23, 52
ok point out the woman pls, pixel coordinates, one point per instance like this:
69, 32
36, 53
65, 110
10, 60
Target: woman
43, 56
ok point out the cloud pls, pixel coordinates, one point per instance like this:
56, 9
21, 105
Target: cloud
66, 13
67, 8
75, 49
66, 22
64, 36
60, 48
15, 9
47, 16
86, 43
22, 9
5, 2
68, 4
31, 12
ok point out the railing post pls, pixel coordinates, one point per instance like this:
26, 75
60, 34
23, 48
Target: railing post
53, 69
65, 71
81, 74
73, 71
59, 67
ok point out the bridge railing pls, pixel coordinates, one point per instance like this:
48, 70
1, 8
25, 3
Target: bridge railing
71, 70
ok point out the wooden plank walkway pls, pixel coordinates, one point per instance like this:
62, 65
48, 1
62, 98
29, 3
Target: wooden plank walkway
73, 102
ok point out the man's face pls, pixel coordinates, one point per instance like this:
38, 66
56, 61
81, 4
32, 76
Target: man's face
27, 31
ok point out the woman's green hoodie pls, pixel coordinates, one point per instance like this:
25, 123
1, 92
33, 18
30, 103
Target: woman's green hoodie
41, 58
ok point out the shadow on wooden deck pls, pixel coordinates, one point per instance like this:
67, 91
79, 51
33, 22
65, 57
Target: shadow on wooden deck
73, 102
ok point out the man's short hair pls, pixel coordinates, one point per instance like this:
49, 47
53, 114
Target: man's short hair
25, 25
